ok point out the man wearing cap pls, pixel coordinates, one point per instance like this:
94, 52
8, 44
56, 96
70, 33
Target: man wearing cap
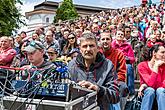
52, 52
38, 65
73, 53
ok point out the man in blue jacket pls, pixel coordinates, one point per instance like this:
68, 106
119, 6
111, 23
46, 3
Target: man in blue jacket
93, 71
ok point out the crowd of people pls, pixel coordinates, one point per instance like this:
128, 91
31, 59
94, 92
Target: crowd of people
104, 52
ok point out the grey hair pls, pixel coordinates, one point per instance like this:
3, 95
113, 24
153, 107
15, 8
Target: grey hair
88, 36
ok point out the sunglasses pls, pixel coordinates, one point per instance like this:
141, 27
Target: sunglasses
71, 38
127, 31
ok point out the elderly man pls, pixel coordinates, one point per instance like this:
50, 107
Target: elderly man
7, 53
93, 71
38, 65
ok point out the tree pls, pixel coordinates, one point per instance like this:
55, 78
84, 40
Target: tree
9, 16
65, 11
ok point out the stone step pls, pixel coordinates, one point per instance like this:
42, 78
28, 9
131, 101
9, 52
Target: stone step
137, 84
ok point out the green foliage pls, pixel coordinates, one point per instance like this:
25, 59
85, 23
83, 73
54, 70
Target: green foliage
66, 11
9, 16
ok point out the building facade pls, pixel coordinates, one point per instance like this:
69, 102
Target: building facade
43, 14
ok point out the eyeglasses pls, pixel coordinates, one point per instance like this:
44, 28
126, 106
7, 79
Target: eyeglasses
71, 38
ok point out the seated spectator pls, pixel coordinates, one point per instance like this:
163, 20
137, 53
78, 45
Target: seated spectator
152, 78
73, 53
21, 58
153, 41
121, 44
17, 43
35, 37
7, 53
93, 71
158, 37
38, 67
118, 60
163, 35
50, 40
152, 29
54, 57
52, 53
71, 43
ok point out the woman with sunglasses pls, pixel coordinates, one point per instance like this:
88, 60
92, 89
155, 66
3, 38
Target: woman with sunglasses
71, 43
152, 78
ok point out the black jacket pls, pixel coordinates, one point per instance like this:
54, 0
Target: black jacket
100, 73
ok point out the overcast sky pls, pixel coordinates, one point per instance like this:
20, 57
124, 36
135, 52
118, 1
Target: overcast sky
29, 4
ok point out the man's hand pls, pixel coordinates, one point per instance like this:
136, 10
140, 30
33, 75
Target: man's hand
89, 85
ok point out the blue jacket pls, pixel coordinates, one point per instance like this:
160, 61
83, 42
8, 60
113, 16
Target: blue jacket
100, 73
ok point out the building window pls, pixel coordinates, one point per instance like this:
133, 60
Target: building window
47, 20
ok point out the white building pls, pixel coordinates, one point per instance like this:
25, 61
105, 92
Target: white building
43, 14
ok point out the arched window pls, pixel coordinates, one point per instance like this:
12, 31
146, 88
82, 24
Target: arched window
47, 20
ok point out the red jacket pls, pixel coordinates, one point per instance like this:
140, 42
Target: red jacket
118, 60
126, 48
150, 78
6, 56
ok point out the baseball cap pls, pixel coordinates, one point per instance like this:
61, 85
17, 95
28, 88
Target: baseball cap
33, 45
53, 50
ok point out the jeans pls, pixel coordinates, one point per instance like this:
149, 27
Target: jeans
130, 78
115, 106
123, 94
149, 96
148, 99
160, 97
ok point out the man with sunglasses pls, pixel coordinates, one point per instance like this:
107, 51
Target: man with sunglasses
38, 65
93, 71
118, 60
